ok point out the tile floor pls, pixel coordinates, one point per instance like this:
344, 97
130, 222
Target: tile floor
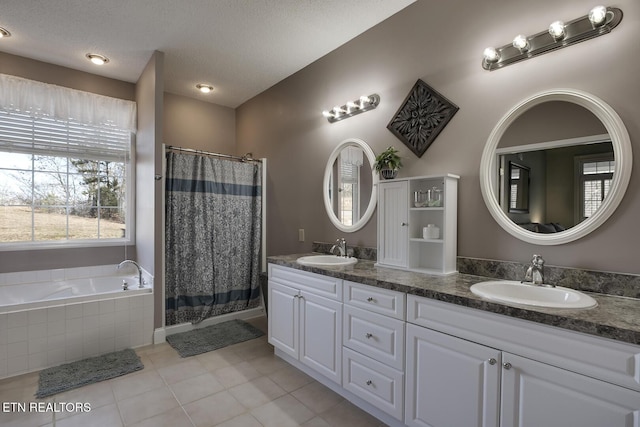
243, 385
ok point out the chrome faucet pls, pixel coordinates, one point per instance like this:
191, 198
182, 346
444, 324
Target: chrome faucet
128, 261
341, 245
535, 272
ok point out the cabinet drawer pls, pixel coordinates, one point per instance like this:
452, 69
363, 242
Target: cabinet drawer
374, 382
376, 336
608, 360
329, 287
378, 300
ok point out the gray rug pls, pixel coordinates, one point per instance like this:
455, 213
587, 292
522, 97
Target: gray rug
87, 371
212, 337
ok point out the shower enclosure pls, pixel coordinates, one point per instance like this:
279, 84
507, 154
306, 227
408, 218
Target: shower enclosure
213, 235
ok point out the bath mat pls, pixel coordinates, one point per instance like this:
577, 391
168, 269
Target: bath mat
212, 337
87, 371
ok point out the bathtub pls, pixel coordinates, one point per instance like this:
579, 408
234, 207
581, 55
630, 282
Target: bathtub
26, 296
51, 317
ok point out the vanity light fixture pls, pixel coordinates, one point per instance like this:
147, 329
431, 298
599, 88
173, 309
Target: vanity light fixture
352, 108
97, 59
204, 88
600, 20
4, 33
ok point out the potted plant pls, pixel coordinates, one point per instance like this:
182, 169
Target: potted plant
388, 163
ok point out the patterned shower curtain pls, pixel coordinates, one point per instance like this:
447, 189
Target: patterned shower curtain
213, 236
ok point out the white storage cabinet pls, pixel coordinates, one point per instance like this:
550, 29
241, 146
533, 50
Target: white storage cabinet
402, 217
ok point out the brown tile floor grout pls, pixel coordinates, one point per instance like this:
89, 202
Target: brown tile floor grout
243, 385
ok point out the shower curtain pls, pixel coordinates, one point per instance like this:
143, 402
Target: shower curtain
213, 236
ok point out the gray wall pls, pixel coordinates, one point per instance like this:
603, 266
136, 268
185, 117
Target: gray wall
149, 94
442, 43
191, 123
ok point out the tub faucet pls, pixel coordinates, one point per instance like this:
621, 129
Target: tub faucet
128, 261
341, 245
535, 272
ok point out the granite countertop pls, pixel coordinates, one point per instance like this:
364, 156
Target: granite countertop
615, 317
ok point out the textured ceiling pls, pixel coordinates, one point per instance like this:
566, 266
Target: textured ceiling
241, 47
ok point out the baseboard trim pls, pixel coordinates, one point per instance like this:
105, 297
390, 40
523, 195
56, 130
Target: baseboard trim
160, 334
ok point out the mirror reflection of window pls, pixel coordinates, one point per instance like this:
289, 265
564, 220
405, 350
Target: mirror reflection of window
351, 159
595, 175
518, 188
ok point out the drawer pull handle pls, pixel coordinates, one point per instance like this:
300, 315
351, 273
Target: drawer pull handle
492, 361
506, 365
369, 382
369, 335
370, 299
403, 224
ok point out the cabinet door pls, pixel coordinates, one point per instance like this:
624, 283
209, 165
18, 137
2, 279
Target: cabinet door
283, 318
393, 230
321, 335
536, 394
452, 382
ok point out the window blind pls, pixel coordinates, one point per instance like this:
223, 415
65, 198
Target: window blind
23, 133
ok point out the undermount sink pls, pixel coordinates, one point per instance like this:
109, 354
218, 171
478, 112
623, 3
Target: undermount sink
326, 260
512, 291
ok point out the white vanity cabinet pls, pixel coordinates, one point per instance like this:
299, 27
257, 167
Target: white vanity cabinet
476, 368
453, 382
374, 345
537, 394
404, 209
305, 318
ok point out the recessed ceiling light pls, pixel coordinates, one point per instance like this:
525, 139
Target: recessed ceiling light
4, 33
204, 88
97, 59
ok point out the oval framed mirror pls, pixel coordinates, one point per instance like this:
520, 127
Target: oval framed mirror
349, 185
599, 164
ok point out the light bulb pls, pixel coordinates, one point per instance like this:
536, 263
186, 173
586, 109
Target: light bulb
521, 43
327, 114
204, 88
556, 29
97, 59
351, 106
598, 16
4, 33
337, 110
491, 55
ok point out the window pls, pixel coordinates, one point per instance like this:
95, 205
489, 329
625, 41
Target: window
63, 181
349, 185
596, 173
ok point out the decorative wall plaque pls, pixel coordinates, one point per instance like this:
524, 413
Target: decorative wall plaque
422, 116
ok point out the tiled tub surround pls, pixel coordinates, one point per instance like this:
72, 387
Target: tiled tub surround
39, 334
615, 317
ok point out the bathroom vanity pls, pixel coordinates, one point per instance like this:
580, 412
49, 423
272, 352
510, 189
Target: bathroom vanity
422, 350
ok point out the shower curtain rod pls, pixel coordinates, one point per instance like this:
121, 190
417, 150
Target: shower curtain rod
246, 158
